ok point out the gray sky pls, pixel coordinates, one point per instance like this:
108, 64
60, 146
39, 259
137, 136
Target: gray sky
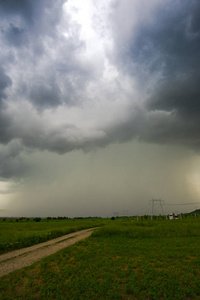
99, 106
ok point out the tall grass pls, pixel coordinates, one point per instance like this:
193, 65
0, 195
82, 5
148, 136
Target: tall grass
151, 229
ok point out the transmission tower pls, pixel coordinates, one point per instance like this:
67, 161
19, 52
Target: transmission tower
158, 203
116, 214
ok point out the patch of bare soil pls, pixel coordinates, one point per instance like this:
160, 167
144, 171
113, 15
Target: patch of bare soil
21, 258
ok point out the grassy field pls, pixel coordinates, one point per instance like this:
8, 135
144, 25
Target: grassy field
27, 232
124, 259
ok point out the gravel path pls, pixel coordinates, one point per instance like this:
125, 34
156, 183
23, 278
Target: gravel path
21, 258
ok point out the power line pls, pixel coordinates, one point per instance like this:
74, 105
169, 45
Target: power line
140, 211
189, 203
157, 202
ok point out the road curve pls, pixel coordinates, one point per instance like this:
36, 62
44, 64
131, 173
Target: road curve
21, 258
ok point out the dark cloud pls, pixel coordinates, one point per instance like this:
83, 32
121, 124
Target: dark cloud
32, 12
163, 53
15, 35
21, 7
4, 125
55, 97
178, 91
45, 93
49, 70
5, 82
169, 44
42, 69
195, 22
181, 95
12, 164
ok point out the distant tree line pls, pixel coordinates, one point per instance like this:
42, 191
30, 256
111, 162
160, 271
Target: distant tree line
38, 219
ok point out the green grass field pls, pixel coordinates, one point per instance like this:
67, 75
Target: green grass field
124, 259
15, 235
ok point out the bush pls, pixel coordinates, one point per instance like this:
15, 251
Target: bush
37, 219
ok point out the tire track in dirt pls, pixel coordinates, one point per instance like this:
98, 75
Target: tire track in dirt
21, 258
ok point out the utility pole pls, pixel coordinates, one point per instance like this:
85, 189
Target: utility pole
156, 202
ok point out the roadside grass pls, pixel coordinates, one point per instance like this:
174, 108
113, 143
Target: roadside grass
151, 229
122, 260
16, 235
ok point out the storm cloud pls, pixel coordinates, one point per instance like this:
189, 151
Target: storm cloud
163, 52
77, 77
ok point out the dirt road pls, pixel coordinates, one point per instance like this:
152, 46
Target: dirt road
21, 258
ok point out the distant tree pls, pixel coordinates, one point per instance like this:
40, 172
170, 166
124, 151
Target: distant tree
37, 219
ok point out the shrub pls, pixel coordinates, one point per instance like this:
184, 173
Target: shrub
37, 219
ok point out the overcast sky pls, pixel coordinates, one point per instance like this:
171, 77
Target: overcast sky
99, 106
